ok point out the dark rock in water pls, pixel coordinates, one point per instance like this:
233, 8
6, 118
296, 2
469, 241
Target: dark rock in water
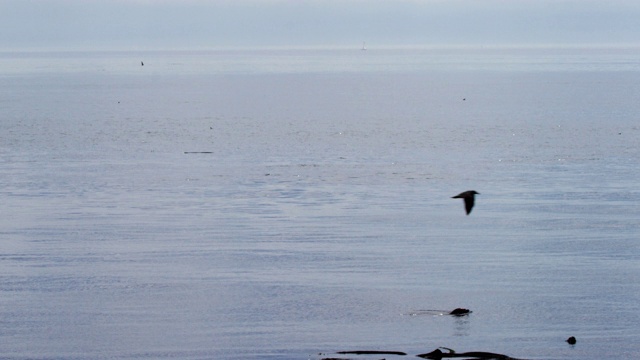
371, 352
460, 312
437, 354
571, 340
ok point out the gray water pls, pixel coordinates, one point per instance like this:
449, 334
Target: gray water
291, 204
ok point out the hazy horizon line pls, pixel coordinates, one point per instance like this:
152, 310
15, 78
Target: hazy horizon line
370, 46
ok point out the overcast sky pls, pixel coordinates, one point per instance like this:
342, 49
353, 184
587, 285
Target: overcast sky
169, 24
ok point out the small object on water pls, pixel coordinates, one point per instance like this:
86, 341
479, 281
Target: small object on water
469, 199
460, 312
454, 312
571, 340
141, 63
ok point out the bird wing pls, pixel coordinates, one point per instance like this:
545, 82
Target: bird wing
468, 204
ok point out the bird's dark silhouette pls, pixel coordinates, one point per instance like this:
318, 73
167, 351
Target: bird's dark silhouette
141, 63
469, 198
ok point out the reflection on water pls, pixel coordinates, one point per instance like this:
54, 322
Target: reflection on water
261, 214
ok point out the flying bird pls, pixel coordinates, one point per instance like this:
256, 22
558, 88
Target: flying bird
469, 198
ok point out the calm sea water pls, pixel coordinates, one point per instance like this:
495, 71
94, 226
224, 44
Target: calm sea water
292, 204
